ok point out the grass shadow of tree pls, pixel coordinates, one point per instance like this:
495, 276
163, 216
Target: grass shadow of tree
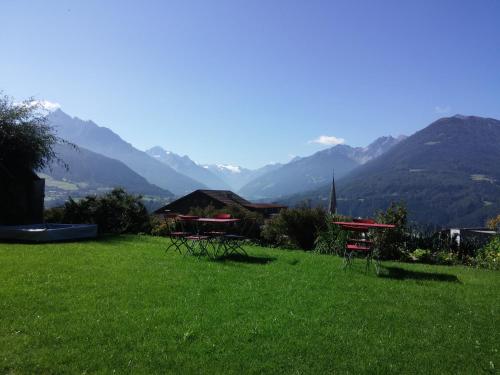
249, 259
398, 273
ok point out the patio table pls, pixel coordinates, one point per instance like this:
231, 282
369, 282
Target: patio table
353, 224
211, 242
361, 245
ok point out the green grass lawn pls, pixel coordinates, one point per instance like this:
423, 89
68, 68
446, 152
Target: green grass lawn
122, 305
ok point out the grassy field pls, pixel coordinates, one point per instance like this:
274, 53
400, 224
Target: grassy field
122, 305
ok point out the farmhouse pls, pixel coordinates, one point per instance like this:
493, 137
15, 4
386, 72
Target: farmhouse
219, 199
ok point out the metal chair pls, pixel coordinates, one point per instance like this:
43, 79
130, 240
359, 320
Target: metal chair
360, 245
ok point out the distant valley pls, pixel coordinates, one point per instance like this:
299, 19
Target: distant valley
104, 141
448, 173
85, 172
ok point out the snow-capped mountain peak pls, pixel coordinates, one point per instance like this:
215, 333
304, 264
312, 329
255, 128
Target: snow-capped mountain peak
230, 168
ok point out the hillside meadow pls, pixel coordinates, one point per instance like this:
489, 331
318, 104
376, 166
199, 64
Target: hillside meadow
123, 305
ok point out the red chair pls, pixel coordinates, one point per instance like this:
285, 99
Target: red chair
177, 238
215, 236
359, 245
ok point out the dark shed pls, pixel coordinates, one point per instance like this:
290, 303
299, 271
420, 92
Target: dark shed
21, 197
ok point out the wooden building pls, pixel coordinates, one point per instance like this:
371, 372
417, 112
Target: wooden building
21, 197
219, 199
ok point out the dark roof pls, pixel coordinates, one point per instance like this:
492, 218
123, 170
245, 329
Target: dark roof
225, 196
264, 205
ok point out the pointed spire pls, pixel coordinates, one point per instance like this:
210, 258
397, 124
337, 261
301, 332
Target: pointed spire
332, 207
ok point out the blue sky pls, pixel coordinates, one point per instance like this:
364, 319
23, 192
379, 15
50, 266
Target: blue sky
253, 82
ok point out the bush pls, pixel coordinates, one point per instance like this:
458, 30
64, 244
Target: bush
391, 243
421, 256
332, 239
161, 227
447, 258
114, 212
430, 257
494, 223
489, 256
54, 215
298, 227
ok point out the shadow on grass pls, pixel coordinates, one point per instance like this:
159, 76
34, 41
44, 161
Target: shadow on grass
48, 242
402, 274
250, 259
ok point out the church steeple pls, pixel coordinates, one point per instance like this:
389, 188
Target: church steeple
332, 207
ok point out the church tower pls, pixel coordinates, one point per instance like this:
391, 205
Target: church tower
332, 207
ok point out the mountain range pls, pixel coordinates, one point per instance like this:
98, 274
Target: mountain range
85, 172
447, 174
181, 175
215, 176
184, 165
236, 176
104, 141
310, 172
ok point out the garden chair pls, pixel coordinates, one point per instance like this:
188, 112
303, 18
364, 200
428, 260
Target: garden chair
177, 238
198, 244
233, 244
360, 245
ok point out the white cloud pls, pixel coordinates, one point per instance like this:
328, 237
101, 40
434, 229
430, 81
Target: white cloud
43, 104
328, 140
442, 110
47, 105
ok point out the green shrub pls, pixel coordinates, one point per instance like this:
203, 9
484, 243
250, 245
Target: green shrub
114, 212
447, 258
391, 243
421, 256
298, 227
54, 215
494, 223
161, 227
332, 239
489, 255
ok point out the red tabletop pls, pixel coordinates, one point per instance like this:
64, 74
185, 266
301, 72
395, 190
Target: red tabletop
363, 225
187, 217
214, 220
206, 219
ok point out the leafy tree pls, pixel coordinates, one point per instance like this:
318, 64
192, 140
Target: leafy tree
26, 140
26, 144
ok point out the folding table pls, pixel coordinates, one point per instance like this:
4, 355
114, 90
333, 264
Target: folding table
211, 242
